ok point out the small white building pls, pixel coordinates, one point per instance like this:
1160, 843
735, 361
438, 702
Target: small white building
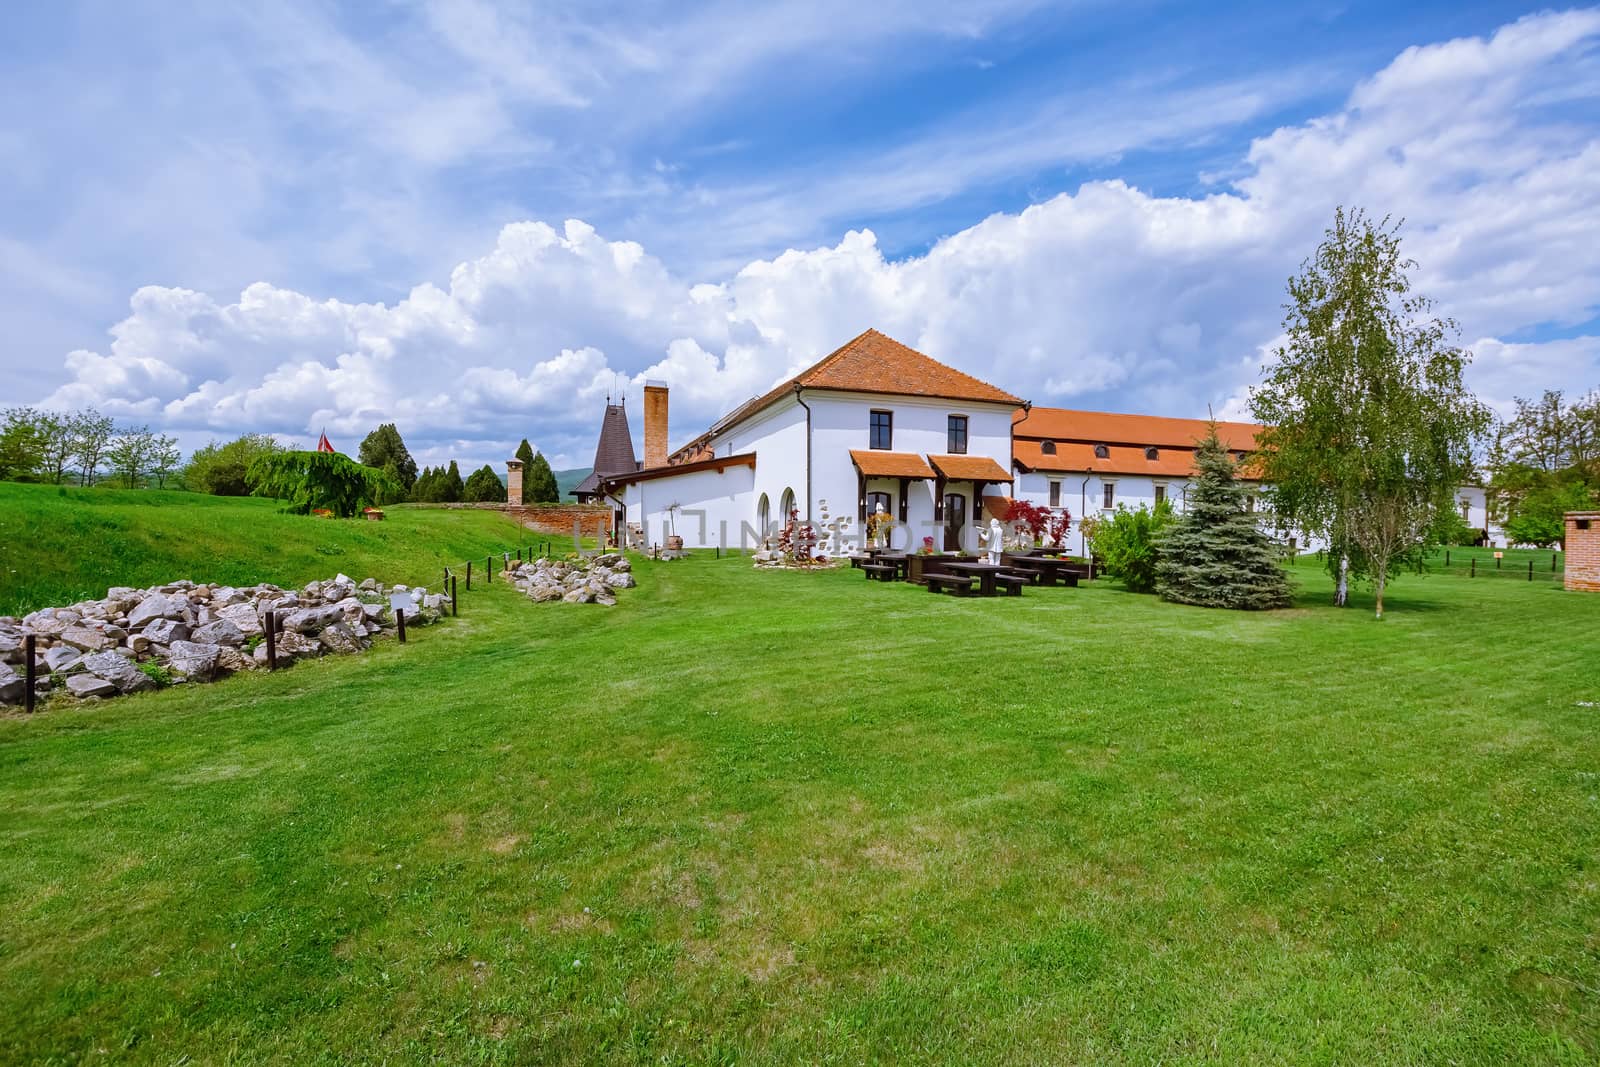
873, 424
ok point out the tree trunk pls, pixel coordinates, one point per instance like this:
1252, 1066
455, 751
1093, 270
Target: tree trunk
1379, 579
1341, 592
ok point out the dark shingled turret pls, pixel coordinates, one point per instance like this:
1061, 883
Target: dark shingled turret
613, 454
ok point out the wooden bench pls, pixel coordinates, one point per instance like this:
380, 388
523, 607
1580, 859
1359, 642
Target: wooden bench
1011, 583
884, 572
1031, 575
957, 584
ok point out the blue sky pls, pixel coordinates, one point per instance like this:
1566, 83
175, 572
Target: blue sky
219, 218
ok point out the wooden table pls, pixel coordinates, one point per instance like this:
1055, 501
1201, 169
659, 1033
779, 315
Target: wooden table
897, 560
984, 572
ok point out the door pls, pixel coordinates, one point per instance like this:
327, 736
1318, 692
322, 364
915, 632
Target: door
955, 517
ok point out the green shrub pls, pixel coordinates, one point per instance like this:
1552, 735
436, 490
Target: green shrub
1127, 543
156, 673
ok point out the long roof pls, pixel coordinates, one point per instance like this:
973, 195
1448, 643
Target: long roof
870, 362
1111, 428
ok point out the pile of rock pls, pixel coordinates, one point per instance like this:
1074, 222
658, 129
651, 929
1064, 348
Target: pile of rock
575, 580
194, 633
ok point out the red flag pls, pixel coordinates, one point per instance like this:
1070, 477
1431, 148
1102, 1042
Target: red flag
323, 444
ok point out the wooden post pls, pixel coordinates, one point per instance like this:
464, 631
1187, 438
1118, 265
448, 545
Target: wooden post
519, 555
400, 624
1447, 559
1497, 561
469, 576
30, 672
1530, 570
1553, 562
447, 577
454, 611
488, 566
1474, 572
272, 640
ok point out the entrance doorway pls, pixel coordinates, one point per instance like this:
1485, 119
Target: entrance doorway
955, 517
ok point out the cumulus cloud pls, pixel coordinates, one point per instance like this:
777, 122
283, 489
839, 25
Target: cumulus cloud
1105, 296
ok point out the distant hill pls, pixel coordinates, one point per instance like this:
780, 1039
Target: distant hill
566, 481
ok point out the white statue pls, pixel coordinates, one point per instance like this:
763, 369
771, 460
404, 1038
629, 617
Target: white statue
995, 540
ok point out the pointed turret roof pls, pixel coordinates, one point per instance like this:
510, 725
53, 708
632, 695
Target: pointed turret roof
613, 453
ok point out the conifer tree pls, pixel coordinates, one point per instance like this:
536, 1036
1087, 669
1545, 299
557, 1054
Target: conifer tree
1215, 555
383, 448
453, 485
525, 453
539, 482
484, 486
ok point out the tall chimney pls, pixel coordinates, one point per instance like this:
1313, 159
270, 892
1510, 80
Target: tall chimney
514, 482
655, 424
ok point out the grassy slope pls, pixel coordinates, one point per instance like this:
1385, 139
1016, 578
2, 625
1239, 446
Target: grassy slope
57, 549
775, 817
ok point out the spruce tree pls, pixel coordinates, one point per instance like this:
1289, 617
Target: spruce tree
1215, 555
453, 486
525, 453
539, 482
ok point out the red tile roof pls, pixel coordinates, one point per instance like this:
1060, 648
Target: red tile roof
875, 464
970, 468
1109, 428
873, 363
1074, 457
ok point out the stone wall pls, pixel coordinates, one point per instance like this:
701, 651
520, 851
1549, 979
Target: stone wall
593, 520
1583, 551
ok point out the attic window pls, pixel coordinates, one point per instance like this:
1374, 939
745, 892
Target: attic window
1048, 448
1583, 524
1102, 452
1152, 453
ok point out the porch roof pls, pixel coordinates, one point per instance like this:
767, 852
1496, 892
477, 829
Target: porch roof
969, 468
875, 464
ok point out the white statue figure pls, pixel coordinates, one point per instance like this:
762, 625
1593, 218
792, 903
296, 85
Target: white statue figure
995, 540
880, 526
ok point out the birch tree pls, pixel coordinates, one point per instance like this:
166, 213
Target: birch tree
1370, 425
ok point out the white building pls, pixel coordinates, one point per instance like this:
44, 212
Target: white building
872, 424
877, 424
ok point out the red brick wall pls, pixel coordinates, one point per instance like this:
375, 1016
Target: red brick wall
1583, 552
557, 519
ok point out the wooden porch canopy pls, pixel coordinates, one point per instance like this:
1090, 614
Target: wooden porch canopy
979, 470
902, 466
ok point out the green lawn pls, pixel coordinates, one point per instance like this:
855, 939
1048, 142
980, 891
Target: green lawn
770, 817
58, 546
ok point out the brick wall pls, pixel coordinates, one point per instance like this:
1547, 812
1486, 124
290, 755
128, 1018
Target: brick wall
557, 519
1583, 551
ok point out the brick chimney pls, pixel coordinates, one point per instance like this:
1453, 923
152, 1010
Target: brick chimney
655, 424
514, 481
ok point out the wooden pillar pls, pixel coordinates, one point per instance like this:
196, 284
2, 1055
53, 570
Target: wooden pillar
861, 496
938, 498
905, 488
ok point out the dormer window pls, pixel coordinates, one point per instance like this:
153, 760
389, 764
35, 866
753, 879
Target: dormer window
1047, 448
1102, 452
1152, 453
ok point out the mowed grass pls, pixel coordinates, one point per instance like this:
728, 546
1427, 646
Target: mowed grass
773, 818
62, 545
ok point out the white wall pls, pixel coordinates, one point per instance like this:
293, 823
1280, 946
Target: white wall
711, 506
842, 421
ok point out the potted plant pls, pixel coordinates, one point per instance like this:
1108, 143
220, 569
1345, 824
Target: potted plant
674, 542
917, 563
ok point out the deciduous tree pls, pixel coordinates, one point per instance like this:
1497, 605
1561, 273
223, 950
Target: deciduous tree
1370, 425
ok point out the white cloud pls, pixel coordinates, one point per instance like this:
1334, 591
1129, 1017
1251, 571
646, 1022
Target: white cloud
1106, 296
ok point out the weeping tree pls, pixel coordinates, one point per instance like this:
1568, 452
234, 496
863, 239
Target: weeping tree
1216, 555
310, 481
1370, 427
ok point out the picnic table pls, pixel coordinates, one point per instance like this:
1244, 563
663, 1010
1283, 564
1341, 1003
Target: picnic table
987, 575
1049, 568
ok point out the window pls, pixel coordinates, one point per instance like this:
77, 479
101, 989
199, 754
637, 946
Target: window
1466, 510
1152, 453
1102, 452
882, 429
1047, 448
958, 434
1161, 493
1055, 494
1582, 524
1108, 492
876, 499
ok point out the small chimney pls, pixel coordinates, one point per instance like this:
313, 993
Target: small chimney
655, 424
514, 482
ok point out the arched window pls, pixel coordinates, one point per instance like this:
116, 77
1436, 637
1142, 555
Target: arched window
1102, 452
1152, 452
1048, 448
785, 505
763, 514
